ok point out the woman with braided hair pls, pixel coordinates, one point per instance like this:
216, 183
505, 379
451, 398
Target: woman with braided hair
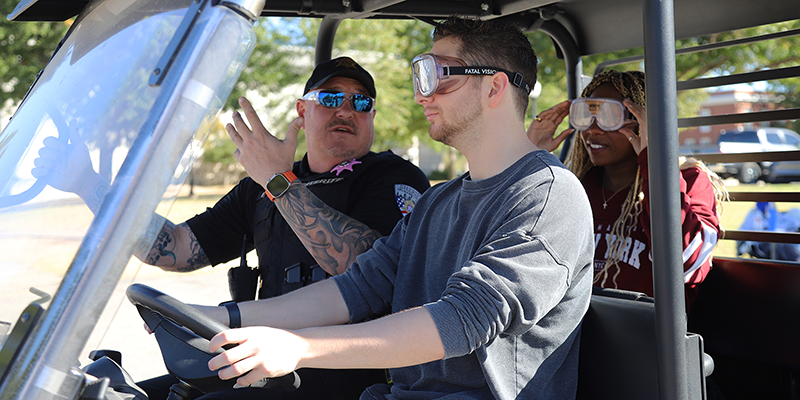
610, 159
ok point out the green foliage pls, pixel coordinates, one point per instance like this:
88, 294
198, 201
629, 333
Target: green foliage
277, 65
25, 48
218, 146
283, 60
273, 64
743, 58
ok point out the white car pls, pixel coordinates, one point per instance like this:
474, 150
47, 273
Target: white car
761, 140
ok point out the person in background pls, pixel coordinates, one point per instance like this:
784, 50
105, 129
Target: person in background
610, 159
765, 217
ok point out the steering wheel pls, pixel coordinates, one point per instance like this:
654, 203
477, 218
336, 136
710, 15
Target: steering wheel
183, 334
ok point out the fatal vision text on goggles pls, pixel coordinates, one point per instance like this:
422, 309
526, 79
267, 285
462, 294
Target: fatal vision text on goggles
439, 74
610, 114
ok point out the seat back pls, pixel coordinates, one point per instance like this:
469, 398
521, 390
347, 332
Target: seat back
618, 358
748, 309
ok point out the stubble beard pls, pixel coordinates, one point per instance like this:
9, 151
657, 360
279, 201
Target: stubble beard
463, 120
345, 152
340, 150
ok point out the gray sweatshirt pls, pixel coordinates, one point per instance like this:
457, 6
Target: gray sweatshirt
503, 265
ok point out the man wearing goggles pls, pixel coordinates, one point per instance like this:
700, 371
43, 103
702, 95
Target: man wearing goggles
480, 292
441, 74
307, 219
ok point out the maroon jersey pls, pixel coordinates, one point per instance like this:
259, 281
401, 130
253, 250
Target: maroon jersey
699, 221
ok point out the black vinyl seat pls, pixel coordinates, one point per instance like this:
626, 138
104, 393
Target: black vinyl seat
746, 311
618, 355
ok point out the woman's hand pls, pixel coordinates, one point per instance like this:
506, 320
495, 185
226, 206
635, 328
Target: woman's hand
636, 132
540, 133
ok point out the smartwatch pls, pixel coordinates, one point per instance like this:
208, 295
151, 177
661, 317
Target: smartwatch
234, 316
279, 184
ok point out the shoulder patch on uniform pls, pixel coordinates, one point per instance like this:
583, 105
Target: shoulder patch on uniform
406, 197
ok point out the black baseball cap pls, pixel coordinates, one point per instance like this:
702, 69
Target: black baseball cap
342, 66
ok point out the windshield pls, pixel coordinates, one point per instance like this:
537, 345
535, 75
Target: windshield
92, 117
95, 150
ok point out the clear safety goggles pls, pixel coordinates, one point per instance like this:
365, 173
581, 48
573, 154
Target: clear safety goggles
443, 74
610, 114
326, 98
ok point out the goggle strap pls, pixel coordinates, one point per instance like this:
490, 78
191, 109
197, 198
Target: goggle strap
518, 81
471, 70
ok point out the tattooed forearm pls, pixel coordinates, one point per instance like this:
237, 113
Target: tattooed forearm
162, 253
333, 238
197, 257
175, 248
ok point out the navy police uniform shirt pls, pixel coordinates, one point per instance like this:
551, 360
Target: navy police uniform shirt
377, 190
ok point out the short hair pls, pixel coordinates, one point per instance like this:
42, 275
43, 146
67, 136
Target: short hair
494, 44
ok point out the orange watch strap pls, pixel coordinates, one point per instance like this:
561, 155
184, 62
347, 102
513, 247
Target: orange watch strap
289, 175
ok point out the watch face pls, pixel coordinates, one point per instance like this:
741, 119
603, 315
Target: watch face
277, 185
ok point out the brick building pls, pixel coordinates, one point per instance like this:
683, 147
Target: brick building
704, 138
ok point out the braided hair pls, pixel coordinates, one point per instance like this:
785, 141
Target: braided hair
631, 85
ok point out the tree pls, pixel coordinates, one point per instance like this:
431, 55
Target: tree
389, 46
274, 62
25, 48
737, 59
274, 65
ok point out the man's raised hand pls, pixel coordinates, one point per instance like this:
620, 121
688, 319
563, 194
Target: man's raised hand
261, 154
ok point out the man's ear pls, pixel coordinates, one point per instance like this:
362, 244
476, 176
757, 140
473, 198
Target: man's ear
500, 85
300, 105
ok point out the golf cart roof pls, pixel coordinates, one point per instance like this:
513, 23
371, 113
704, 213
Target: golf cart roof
597, 26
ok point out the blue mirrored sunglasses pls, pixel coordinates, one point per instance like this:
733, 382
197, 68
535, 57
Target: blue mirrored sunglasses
359, 102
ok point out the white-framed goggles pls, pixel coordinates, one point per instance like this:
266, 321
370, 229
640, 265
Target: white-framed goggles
610, 114
442, 74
